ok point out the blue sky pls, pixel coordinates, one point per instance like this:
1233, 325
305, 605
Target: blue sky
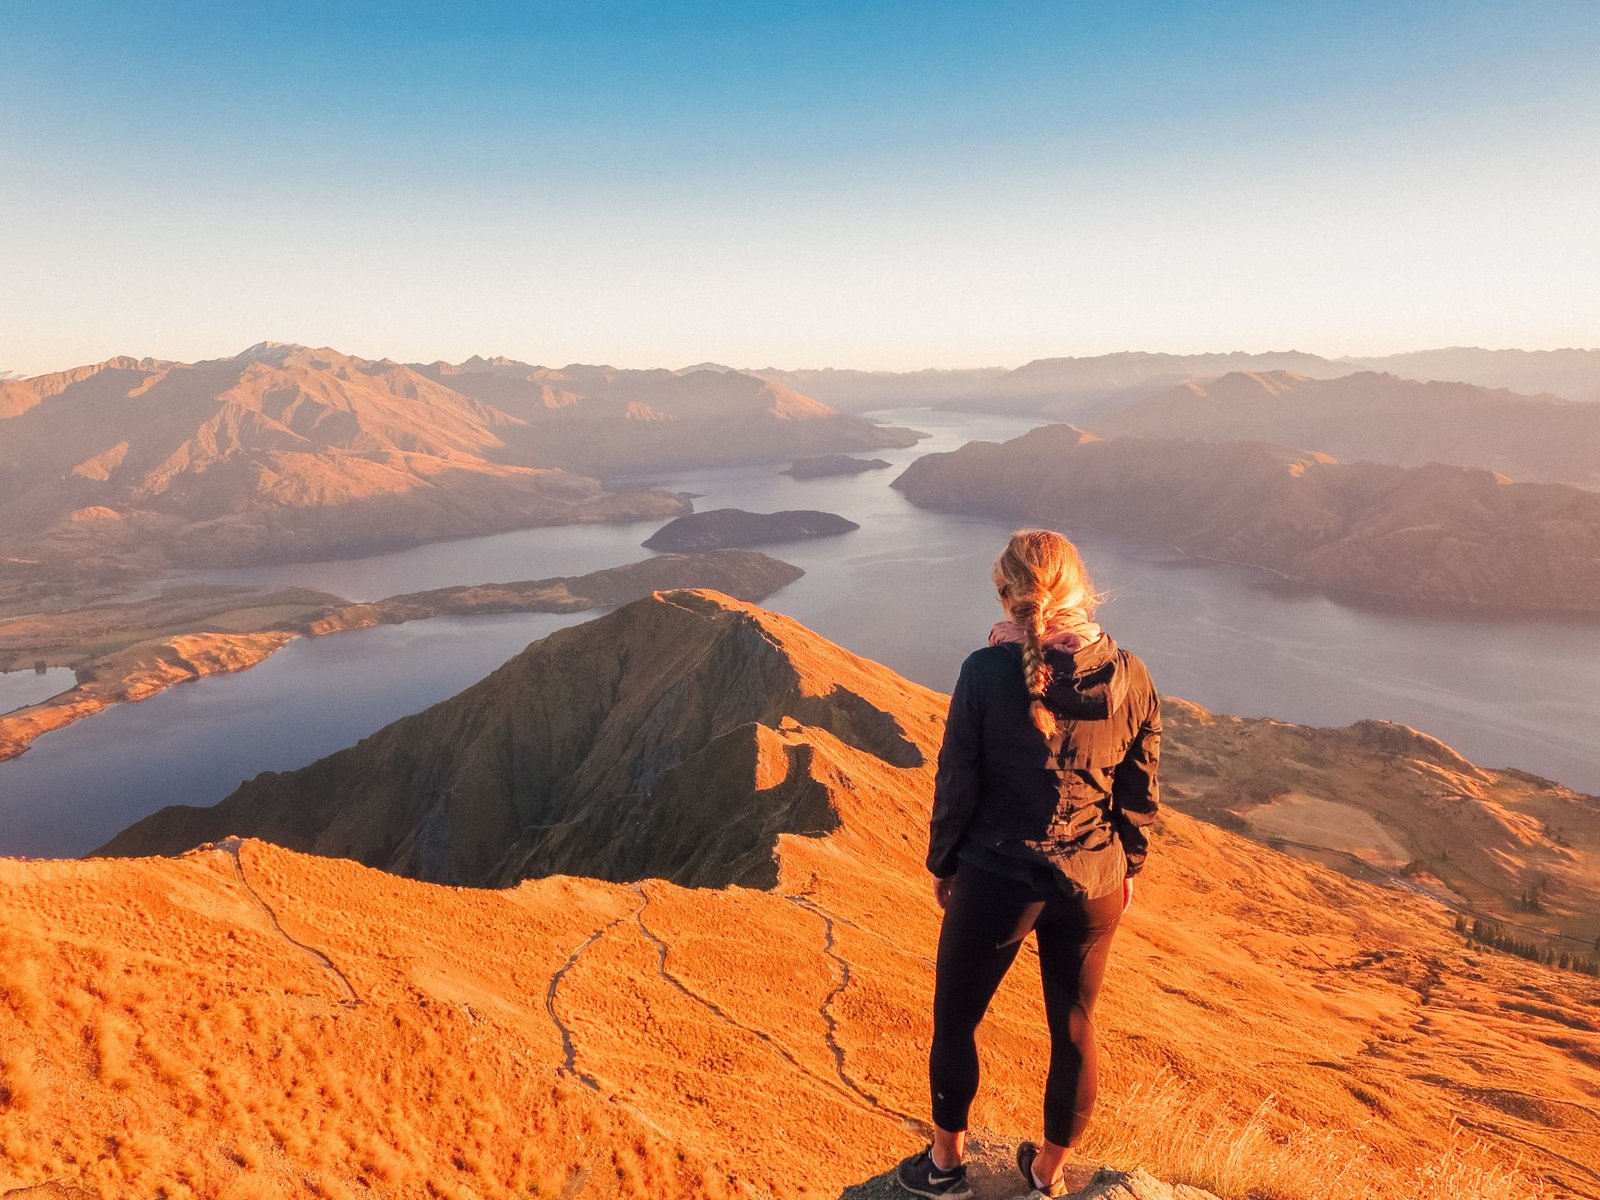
871, 184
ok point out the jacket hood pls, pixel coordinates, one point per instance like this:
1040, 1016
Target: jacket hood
1088, 685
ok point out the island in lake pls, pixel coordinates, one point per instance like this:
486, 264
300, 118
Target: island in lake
720, 528
822, 465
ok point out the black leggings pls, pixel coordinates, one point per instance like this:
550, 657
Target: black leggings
984, 924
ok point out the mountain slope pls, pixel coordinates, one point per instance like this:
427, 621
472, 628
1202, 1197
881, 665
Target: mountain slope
1438, 534
638, 765
250, 1018
861, 391
278, 452
284, 452
1379, 417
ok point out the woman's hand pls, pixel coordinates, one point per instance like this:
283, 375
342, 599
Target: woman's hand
1127, 892
941, 889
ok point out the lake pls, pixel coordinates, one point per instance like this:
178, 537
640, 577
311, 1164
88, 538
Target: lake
910, 589
26, 685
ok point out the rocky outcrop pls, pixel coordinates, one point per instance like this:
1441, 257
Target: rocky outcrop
722, 527
992, 1175
1138, 1185
1434, 534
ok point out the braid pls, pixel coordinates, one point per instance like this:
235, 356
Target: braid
1035, 670
1041, 575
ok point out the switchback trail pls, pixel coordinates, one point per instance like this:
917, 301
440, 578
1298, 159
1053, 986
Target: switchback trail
825, 1011
232, 847
777, 1047
569, 1048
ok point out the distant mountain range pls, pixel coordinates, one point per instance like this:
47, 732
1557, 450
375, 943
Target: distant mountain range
1571, 374
1439, 534
601, 420
285, 452
1080, 388
1379, 417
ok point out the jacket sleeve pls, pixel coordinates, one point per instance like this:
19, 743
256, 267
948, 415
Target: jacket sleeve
955, 786
1136, 790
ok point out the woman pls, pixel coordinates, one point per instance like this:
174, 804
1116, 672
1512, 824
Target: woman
1046, 782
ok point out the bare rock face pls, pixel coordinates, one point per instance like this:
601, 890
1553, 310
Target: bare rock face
669, 739
719, 528
992, 1175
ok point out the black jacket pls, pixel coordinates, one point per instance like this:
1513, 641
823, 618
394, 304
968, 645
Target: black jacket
1007, 800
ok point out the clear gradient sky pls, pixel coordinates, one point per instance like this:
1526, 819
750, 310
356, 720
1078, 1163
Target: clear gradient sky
858, 184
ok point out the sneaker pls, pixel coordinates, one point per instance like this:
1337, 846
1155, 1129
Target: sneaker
921, 1177
1026, 1153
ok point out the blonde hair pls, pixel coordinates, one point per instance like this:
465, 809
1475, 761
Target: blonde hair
1041, 579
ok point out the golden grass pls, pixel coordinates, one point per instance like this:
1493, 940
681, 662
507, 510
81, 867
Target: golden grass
1185, 1134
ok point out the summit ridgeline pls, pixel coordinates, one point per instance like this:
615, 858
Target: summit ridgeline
675, 738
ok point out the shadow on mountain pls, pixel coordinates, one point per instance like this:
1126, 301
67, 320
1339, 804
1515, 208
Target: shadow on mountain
674, 739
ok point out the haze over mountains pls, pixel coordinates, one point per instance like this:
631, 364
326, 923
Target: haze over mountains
570, 1028
287, 452
606, 421
1077, 388
1380, 417
1439, 534
1572, 374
